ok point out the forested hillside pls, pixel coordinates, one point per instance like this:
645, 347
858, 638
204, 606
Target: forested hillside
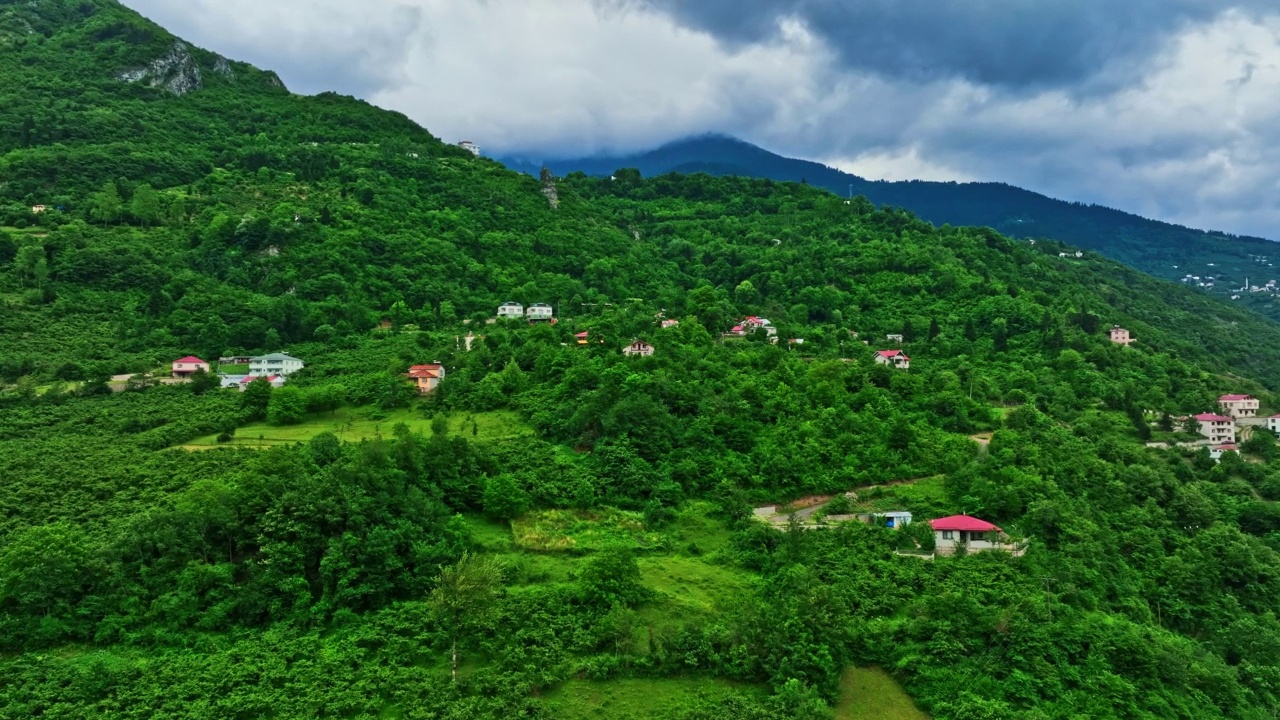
559, 530
1220, 263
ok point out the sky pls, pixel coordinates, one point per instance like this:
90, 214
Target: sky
1166, 108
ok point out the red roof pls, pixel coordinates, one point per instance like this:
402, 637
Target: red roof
581, 335
736, 328
1228, 446
962, 522
425, 371
190, 359
1213, 417
891, 354
1226, 398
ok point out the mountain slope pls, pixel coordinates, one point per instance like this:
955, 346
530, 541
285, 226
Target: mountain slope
599, 550
1161, 249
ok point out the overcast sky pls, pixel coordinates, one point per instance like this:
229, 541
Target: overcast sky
1166, 108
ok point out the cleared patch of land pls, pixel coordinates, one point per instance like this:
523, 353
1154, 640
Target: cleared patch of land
871, 693
640, 699
355, 424
596, 529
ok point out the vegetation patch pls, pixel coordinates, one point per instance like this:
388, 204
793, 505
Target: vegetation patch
548, 530
355, 424
872, 694
642, 698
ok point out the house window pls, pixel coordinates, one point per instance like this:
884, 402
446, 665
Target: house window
947, 535
980, 537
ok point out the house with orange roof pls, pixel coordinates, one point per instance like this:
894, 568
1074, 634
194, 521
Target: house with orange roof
426, 377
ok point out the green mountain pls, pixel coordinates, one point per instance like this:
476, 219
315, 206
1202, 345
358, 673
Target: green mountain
559, 530
1221, 263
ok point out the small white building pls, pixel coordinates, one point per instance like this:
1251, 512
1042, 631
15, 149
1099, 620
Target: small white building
1216, 452
277, 381
274, 364
639, 347
1239, 406
1220, 429
470, 147
1120, 336
38, 209
510, 310
751, 324
896, 358
893, 519
1273, 424
539, 312
894, 338
670, 324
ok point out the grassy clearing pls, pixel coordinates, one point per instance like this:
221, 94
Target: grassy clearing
639, 699
867, 693
354, 424
549, 530
923, 496
691, 584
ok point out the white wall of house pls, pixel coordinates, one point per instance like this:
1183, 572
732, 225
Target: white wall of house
275, 364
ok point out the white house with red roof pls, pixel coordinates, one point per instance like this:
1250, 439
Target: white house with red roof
640, 348
277, 381
896, 358
1220, 429
426, 377
752, 323
1239, 406
188, 366
670, 323
1215, 452
953, 533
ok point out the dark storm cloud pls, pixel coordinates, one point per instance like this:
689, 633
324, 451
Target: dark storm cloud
1011, 44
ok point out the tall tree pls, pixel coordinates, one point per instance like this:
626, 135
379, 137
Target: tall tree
463, 597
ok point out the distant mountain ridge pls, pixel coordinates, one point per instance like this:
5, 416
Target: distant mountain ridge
1158, 248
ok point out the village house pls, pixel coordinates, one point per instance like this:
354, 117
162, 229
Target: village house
274, 364
539, 312
37, 209
896, 358
670, 324
1220, 429
951, 534
1239, 406
234, 360
1273, 424
188, 366
892, 519
1120, 336
470, 147
277, 381
231, 381
510, 310
639, 347
582, 338
751, 324
894, 338
1215, 452
426, 377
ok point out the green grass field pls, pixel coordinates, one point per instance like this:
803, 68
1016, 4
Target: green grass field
354, 424
596, 529
872, 694
639, 699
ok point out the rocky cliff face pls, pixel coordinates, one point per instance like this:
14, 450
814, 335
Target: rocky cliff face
176, 71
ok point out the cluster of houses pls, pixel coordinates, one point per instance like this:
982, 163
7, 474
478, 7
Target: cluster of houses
535, 313
1221, 428
275, 367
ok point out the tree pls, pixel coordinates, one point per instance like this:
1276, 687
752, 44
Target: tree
145, 205
256, 398
106, 205
612, 576
463, 597
286, 406
202, 382
504, 498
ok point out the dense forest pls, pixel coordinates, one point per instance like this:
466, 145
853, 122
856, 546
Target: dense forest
559, 530
1220, 263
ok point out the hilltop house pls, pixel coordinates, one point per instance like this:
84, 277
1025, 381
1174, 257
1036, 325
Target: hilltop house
896, 358
274, 364
1220, 429
426, 377
510, 310
539, 312
639, 347
895, 338
470, 147
957, 532
188, 366
1239, 406
1120, 336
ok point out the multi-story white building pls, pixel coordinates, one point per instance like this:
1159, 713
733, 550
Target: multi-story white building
539, 312
1239, 406
1220, 429
274, 364
469, 146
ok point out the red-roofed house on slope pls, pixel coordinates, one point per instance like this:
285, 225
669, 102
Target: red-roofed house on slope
426, 377
896, 358
1239, 406
1220, 429
188, 366
953, 533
